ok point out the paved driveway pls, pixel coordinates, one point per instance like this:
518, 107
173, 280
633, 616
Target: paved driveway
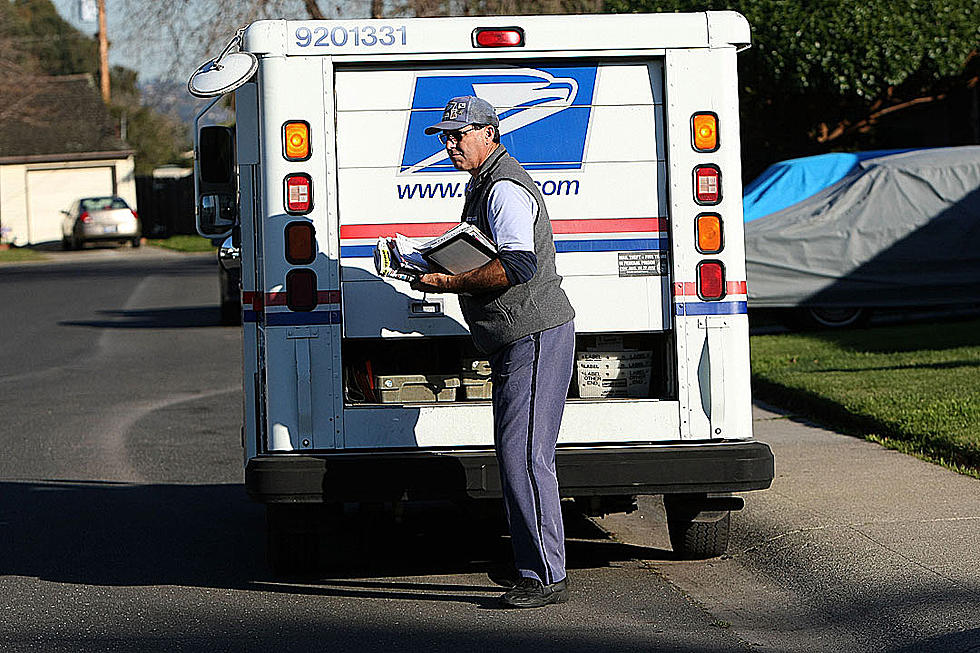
855, 548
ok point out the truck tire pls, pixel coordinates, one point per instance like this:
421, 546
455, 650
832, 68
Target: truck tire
231, 313
292, 544
696, 534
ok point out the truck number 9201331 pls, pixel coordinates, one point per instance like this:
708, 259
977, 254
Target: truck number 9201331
367, 35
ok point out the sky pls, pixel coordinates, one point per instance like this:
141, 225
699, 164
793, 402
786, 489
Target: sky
147, 47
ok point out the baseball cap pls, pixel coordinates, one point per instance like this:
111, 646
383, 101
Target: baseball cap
462, 111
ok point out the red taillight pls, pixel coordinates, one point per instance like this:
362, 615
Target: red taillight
135, 215
707, 184
301, 290
498, 37
299, 193
300, 242
84, 217
711, 280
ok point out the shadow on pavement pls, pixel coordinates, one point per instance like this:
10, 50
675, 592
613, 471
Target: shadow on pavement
154, 318
116, 534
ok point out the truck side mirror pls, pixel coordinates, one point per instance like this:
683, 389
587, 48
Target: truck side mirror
217, 182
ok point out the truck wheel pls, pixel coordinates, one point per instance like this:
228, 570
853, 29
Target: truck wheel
231, 313
696, 534
292, 544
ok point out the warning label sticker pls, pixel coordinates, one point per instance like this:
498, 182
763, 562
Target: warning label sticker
642, 264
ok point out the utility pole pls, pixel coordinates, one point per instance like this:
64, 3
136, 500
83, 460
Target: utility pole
103, 53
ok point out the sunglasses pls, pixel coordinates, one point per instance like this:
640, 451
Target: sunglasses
456, 135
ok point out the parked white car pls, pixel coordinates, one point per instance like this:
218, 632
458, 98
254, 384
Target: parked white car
99, 219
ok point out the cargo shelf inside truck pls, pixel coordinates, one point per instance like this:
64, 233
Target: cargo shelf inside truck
608, 367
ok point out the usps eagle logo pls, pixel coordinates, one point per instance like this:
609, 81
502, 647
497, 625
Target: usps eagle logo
544, 114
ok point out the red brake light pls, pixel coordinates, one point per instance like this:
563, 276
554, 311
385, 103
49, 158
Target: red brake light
135, 215
84, 217
301, 290
299, 193
711, 280
498, 37
707, 184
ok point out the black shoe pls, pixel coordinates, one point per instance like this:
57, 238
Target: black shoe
531, 593
504, 575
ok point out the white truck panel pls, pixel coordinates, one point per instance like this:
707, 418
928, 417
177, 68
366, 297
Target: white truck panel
585, 422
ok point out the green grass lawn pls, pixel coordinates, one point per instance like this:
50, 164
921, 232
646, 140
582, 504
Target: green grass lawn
183, 243
914, 388
18, 254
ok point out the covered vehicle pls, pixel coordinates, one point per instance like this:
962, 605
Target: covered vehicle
107, 218
898, 231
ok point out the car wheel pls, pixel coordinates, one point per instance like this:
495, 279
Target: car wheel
135, 242
65, 243
827, 317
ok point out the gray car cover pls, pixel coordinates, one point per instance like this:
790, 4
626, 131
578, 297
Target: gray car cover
900, 230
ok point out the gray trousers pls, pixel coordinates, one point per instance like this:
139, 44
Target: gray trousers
530, 383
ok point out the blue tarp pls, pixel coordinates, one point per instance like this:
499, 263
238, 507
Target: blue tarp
785, 183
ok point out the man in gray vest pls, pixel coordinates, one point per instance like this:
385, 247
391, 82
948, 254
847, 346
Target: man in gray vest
518, 315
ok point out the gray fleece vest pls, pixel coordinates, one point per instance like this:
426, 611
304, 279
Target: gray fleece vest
500, 317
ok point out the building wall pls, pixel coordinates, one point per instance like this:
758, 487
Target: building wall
32, 194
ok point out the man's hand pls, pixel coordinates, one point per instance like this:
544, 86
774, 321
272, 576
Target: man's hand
432, 282
490, 276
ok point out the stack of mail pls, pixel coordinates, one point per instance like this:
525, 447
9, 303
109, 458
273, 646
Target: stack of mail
399, 257
461, 249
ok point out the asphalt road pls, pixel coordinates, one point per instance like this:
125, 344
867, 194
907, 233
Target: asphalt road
124, 525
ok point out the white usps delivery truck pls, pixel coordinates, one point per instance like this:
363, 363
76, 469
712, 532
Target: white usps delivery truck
358, 388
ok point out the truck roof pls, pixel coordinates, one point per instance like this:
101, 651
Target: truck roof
357, 38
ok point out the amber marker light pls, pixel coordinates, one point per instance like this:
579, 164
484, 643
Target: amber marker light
709, 233
704, 131
300, 241
296, 140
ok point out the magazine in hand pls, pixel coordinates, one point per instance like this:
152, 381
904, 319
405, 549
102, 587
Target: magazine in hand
461, 249
399, 258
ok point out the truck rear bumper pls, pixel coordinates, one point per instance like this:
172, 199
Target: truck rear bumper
730, 466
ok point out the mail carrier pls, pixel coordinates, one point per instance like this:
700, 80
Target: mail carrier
359, 389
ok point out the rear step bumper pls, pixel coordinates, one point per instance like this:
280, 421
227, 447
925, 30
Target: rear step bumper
716, 467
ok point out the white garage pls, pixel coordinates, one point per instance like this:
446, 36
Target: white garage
33, 193
59, 145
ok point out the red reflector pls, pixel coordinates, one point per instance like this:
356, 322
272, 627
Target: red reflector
500, 37
85, 217
711, 280
299, 193
300, 241
301, 290
707, 184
